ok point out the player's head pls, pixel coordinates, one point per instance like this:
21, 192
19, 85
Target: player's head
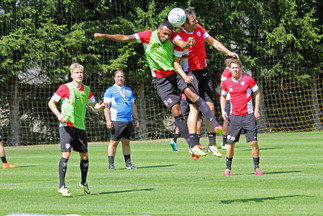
119, 77
235, 67
191, 21
77, 72
227, 60
164, 31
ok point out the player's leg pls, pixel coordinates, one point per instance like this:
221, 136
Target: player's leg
5, 164
66, 141
112, 148
173, 142
250, 126
125, 140
204, 108
199, 124
225, 125
234, 131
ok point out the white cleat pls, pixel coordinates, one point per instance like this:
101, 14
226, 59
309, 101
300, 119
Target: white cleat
63, 190
214, 150
196, 151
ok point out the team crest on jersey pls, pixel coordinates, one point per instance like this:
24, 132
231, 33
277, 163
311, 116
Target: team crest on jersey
199, 33
230, 89
242, 83
67, 146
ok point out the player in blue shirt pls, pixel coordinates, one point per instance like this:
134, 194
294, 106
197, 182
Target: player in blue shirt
120, 109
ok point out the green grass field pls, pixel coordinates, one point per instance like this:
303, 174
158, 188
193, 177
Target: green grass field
171, 183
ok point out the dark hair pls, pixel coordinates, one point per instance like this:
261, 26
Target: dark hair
167, 24
117, 71
236, 61
189, 12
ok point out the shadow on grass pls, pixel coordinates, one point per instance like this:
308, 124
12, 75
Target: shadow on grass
261, 149
123, 191
281, 172
157, 166
262, 199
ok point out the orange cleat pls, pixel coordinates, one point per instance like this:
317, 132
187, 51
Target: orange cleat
7, 166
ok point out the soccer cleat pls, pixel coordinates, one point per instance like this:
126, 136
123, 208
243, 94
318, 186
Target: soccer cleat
7, 166
195, 157
111, 167
224, 146
227, 172
201, 147
85, 188
63, 190
219, 130
196, 151
130, 166
214, 150
258, 172
173, 145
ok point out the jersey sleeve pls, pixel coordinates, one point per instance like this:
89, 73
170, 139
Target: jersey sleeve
253, 85
204, 33
91, 98
178, 52
224, 90
61, 92
143, 37
226, 74
107, 96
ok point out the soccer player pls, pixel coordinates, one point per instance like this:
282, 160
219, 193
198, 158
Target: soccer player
191, 65
74, 97
118, 114
158, 47
226, 74
5, 164
242, 115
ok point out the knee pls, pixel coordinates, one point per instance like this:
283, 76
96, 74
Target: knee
66, 155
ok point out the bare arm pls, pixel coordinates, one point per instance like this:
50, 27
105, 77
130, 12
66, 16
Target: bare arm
53, 108
219, 46
115, 37
97, 106
180, 70
107, 116
184, 44
223, 104
257, 103
135, 113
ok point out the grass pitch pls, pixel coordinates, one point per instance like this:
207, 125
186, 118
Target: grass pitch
171, 183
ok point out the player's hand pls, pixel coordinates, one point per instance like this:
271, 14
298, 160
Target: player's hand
188, 79
98, 36
109, 125
235, 55
225, 115
62, 118
257, 115
137, 123
191, 41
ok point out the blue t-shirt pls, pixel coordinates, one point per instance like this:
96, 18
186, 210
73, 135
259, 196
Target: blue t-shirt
120, 99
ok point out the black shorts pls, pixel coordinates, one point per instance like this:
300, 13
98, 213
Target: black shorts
73, 138
167, 88
227, 107
202, 84
121, 130
237, 123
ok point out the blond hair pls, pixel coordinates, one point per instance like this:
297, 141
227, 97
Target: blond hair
75, 66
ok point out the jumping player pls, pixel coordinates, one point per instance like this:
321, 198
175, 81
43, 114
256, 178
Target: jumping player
193, 61
158, 47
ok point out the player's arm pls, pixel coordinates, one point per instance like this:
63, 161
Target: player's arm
257, 104
135, 113
223, 104
219, 46
115, 37
184, 44
97, 106
53, 108
107, 116
180, 70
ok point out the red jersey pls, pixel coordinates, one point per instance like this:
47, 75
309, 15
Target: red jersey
226, 74
241, 94
144, 38
194, 57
